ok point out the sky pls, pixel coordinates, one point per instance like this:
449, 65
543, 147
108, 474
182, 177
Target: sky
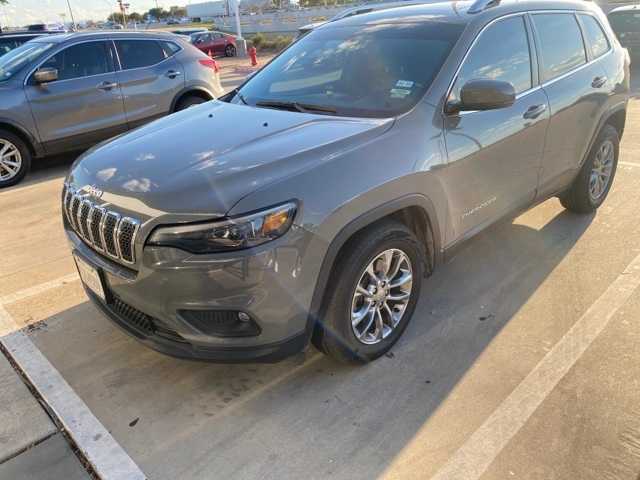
23, 12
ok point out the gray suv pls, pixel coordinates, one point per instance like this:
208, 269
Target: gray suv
368, 152
67, 92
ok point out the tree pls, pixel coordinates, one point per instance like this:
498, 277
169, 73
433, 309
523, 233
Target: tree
115, 17
158, 13
178, 12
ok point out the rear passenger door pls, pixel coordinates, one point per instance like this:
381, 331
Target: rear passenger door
150, 78
576, 85
495, 155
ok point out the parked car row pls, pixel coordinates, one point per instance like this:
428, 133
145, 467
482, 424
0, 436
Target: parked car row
68, 92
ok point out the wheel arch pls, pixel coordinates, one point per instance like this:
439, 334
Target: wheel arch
32, 144
188, 91
416, 211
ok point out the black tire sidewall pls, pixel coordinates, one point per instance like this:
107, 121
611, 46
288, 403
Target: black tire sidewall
24, 152
337, 327
230, 51
607, 133
189, 102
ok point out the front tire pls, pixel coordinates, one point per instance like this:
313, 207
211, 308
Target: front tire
230, 51
15, 159
372, 294
592, 185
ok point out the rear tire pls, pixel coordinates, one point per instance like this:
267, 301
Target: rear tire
230, 51
590, 188
15, 161
189, 101
358, 327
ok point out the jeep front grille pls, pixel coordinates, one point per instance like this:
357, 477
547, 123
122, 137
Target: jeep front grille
104, 230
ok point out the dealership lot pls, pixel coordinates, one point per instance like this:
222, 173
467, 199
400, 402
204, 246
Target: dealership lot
521, 361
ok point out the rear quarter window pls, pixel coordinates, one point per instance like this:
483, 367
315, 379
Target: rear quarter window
561, 45
596, 39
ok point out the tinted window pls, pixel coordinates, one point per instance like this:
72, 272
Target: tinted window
361, 70
596, 39
500, 53
139, 53
169, 48
561, 43
625, 22
82, 60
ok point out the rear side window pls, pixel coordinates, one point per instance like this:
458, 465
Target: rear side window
82, 60
561, 45
596, 39
139, 53
625, 22
500, 53
169, 48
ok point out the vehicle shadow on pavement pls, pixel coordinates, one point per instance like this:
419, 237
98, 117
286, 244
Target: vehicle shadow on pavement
309, 417
45, 169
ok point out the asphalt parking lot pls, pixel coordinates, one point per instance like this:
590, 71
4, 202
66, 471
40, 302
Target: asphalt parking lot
522, 361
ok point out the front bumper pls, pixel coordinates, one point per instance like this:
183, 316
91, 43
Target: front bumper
263, 282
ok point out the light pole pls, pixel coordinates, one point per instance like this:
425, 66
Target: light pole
73, 22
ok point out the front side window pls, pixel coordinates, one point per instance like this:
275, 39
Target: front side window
500, 53
15, 60
362, 70
139, 53
81, 60
561, 45
595, 37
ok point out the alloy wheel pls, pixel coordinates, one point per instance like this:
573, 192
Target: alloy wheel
10, 160
601, 170
381, 296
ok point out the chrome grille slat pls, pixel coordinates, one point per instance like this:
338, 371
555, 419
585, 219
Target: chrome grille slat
104, 230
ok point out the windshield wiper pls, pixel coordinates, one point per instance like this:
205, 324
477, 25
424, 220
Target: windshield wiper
241, 97
299, 107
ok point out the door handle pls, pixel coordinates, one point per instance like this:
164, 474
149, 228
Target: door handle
534, 111
173, 74
598, 82
105, 86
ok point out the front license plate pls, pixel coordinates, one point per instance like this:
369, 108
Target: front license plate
90, 277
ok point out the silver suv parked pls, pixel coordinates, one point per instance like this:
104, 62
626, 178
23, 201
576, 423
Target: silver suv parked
368, 151
67, 92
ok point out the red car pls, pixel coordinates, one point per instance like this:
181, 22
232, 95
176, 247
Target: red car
215, 42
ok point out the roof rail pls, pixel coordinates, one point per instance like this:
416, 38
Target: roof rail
481, 5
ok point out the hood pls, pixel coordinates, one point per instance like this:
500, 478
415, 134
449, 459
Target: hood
203, 160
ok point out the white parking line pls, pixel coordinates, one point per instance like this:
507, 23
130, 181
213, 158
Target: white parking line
36, 290
629, 164
106, 456
473, 458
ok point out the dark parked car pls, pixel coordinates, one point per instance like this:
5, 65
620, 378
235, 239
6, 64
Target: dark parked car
216, 43
370, 150
67, 92
625, 22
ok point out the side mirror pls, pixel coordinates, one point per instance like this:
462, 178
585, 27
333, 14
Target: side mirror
46, 75
486, 95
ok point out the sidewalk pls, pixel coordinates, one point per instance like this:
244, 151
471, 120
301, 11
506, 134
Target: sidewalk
31, 447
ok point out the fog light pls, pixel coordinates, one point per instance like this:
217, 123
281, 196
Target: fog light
221, 323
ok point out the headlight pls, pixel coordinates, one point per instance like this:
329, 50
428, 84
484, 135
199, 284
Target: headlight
232, 234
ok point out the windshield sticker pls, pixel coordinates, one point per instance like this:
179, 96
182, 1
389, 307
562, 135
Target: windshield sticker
404, 84
399, 93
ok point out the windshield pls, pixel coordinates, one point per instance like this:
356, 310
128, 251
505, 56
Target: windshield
625, 22
12, 62
364, 70
8, 44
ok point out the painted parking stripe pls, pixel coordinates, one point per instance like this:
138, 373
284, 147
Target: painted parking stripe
629, 164
473, 458
38, 289
99, 448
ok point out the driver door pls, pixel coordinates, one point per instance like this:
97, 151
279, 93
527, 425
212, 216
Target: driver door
494, 156
84, 105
